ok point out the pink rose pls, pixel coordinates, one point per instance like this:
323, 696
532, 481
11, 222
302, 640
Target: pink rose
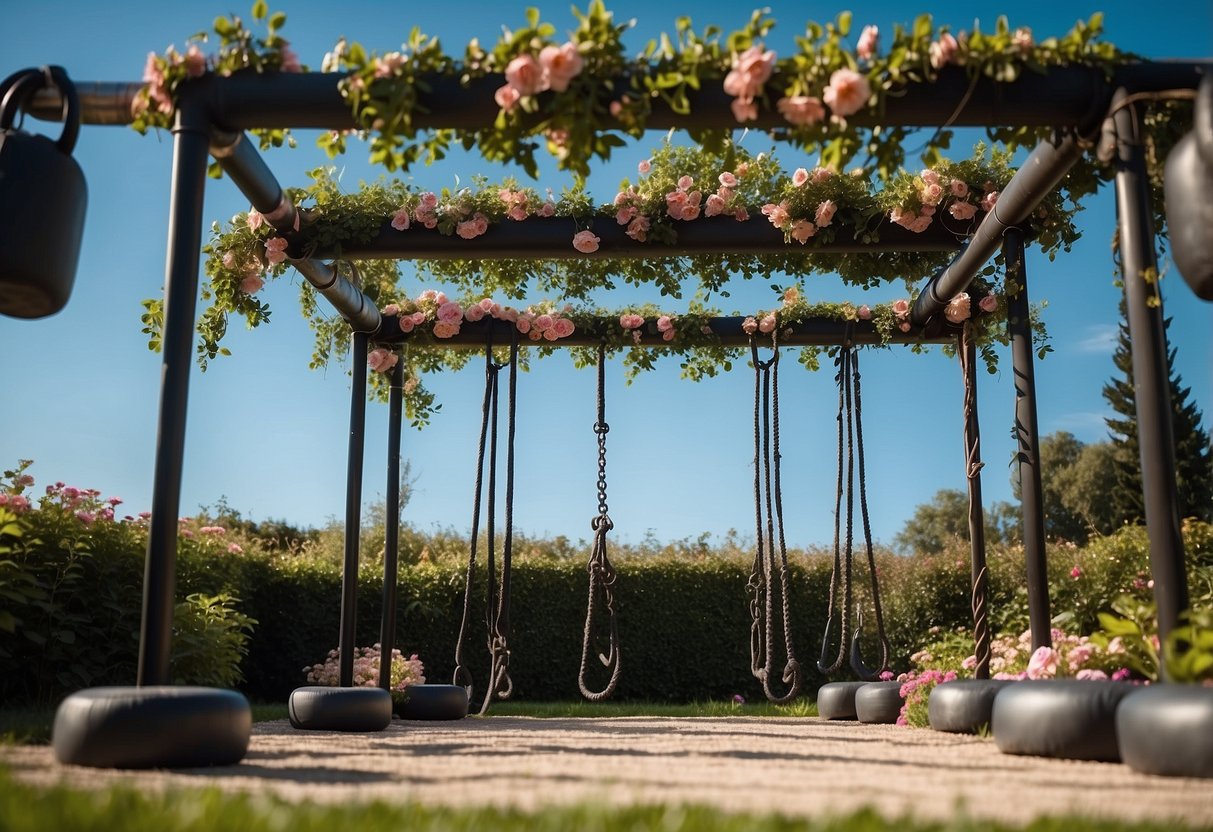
487, 305
229, 260
255, 219
959, 188
251, 284
800, 177
418, 318
547, 209
921, 224
506, 97
668, 335
473, 313
741, 215
551, 334
561, 64
426, 216
523, 323
685, 182
517, 212
802, 230
958, 308
904, 326
638, 229
388, 64
825, 213
901, 307
943, 51
380, 360
675, 200
631, 321
450, 312
931, 194
791, 295
391, 310
290, 61
468, 229
751, 69
820, 175
429, 200
525, 75
445, 329
195, 61
929, 177
564, 327
749, 325
989, 303
847, 93
535, 335
586, 242
275, 249
1092, 675
664, 324
1043, 664
1022, 40
962, 210
869, 39
400, 220
989, 201
768, 323
714, 206
542, 322
1076, 572
744, 110
690, 211
777, 214
406, 323
645, 166
864, 312
801, 110
728, 180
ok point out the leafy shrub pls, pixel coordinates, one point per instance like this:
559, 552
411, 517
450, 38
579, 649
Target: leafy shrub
210, 637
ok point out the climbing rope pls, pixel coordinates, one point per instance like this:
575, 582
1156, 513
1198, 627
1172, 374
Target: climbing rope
602, 574
850, 433
765, 580
497, 609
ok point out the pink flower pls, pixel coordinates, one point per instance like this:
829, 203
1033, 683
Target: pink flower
931, 194
418, 318
487, 305
290, 61
820, 175
801, 110
586, 242
255, 219
506, 97
668, 335
275, 249
195, 61
800, 177
1076, 572
380, 360
471, 228
958, 309
904, 326
768, 323
86, 517
561, 64
921, 224
802, 230
869, 40
1091, 674
825, 213
445, 329
387, 65
664, 323
234, 549
400, 220
450, 312
523, 323
959, 188
943, 51
645, 166
251, 284
406, 323
727, 180
428, 200
864, 312
631, 321
744, 110
777, 214
525, 75
542, 322
1022, 40
392, 309
564, 327
989, 201
714, 206
791, 295
847, 93
741, 215
749, 325
929, 177
751, 70
962, 210
989, 303
1121, 675
1043, 664
547, 209
901, 307
473, 313
638, 229
685, 182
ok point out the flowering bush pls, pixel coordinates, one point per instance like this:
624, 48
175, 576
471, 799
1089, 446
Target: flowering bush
405, 672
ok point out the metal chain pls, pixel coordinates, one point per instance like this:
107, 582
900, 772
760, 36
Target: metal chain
602, 574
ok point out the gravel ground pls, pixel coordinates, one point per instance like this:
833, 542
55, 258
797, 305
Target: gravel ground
804, 767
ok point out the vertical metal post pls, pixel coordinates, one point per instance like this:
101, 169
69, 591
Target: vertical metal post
1019, 327
1151, 385
190, 142
977, 522
391, 522
353, 507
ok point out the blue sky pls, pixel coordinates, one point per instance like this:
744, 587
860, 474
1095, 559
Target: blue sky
269, 435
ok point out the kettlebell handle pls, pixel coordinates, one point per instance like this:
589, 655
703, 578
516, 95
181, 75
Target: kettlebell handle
17, 90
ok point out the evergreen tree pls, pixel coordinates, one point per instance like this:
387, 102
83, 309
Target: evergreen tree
1193, 448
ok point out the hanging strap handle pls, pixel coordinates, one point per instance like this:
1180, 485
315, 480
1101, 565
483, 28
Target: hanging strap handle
840, 574
602, 573
18, 89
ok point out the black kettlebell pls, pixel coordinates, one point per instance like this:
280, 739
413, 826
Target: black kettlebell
42, 200
1188, 185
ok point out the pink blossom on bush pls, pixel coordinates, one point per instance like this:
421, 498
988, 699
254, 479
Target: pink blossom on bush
749, 325
547, 209
194, 61
943, 50
561, 64
727, 180
714, 206
1043, 664
380, 360
768, 323
525, 75
1091, 674
391, 310
1023, 40
1076, 572
255, 219
386, 66
523, 324
506, 97
904, 326
847, 93
586, 242
869, 40
962, 210
542, 322
645, 166
631, 321
864, 312
235, 549
777, 214
802, 230
800, 177
564, 327
450, 312
400, 220
801, 110
750, 71
445, 329
638, 229
251, 284
958, 188
473, 313
825, 213
275, 249
989, 200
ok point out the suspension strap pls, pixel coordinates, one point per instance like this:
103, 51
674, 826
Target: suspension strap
602, 574
840, 574
765, 580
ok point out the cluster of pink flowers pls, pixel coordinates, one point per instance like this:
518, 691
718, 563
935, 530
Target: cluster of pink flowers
194, 63
554, 69
84, 503
253, 280
627, 210
801, 229
916, 686
749, 73
632, 322
448, 316
381, 360
1012, 657
16, 503
517, 205
404, 672
932, 193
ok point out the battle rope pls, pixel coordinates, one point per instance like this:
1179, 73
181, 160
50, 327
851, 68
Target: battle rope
973, 466
602, 574
850, 425
765, 581
497, 610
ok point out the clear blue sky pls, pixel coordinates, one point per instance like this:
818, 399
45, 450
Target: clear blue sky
80, 388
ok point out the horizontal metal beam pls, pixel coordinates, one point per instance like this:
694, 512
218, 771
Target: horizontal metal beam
1059, 97
820, 332
551, 238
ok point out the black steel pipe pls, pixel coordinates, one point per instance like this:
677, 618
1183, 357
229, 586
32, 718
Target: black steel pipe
814, 332
358, 310
1027, 434
551, 238
190, 135
1040, 174
353, 508
979, 585
391, 525
1151, 381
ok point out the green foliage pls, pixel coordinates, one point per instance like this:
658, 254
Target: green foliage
944, 520
210, 638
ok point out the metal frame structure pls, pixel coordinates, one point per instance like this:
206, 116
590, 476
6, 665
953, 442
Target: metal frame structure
1076, 101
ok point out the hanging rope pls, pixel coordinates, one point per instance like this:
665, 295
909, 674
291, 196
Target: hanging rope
765, 581
850, 427
498, 604
602, 574
973, 466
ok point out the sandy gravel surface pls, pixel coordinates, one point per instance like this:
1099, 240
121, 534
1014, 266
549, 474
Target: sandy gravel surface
792, 766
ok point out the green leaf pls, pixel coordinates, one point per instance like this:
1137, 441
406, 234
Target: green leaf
260, 10
278, 20
844, 23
